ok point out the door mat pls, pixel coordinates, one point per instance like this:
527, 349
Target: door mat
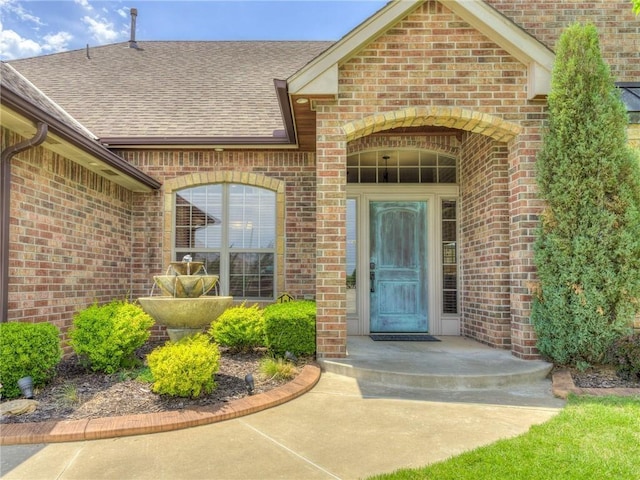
403, 338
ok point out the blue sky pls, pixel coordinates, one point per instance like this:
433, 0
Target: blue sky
31, 28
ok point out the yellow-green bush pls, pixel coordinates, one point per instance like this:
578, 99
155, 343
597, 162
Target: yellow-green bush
27, 349
185, 368
105, 337
240, 328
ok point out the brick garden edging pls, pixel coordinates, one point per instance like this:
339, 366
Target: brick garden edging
563, 385
111, 427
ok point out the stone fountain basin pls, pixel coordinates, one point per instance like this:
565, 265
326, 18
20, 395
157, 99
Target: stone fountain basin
185, 286
185, 313
186, 268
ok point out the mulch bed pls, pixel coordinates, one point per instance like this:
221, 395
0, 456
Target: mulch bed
602, 376
76, 393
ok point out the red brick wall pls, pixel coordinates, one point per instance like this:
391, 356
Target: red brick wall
432, 58
619, 28
484, 241
69, 238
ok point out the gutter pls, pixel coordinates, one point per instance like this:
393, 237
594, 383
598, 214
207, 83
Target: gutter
5, 210
19, 104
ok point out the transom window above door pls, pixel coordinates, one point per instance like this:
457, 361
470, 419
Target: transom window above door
232, 228
401, 166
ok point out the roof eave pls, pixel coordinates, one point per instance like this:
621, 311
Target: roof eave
138, 179
285, 138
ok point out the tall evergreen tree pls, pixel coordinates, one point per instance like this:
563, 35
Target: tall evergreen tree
588, 247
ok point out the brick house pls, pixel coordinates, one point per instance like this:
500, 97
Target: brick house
390, 176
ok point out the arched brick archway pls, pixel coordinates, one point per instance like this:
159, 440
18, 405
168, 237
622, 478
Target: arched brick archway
450, 117
500, 137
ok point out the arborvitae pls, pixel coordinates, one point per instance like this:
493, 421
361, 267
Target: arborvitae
588, 247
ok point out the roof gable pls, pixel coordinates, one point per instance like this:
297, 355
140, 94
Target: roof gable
320, 77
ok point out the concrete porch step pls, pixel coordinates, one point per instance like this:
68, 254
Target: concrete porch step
454, 363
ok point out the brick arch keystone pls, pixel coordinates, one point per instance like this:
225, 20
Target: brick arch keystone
451, 117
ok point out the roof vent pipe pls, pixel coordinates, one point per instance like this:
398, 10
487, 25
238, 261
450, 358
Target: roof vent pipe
132, 40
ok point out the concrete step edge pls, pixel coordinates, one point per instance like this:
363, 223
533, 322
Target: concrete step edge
437, 381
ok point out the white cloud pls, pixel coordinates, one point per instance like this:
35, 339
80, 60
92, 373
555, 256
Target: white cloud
13, 45
101, 30
84, 4
57, 42
17, 9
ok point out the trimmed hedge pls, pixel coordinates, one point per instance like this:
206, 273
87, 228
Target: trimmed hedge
240, 328
105, 337
27, 349
291, 327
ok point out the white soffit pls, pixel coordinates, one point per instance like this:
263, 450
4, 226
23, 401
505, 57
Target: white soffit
320, 77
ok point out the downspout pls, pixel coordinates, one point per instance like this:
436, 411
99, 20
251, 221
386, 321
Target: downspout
5, 210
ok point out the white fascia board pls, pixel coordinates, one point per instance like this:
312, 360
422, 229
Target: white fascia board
525, 48
307, 80
324, 84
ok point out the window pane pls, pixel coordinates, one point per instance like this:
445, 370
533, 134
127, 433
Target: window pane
448, 210
367, 175
388, 175
450, 302
448, 231
450, 277
447, 175
449, 252
449, 257
351, 255
251, 275
409, 175
252, 217
404, 165
199, 217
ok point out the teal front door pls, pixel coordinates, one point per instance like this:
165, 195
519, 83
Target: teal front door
398, 267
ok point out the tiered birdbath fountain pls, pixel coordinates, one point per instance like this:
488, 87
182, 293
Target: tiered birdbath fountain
184, 307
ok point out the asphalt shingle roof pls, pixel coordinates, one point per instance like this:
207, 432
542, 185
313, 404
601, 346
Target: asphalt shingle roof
172, 89
13, 81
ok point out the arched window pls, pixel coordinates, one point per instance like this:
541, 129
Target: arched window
401, 166
232, 228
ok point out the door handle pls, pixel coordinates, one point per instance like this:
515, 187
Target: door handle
372, 283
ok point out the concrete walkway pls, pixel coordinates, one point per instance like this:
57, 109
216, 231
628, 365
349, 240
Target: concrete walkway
345, 428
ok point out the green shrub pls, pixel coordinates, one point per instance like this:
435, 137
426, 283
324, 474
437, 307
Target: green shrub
27, 350
624, 354
291, 326
240, 328
588, 248
185, 368
106, 337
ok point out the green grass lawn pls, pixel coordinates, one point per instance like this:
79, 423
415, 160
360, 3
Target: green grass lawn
592, 438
